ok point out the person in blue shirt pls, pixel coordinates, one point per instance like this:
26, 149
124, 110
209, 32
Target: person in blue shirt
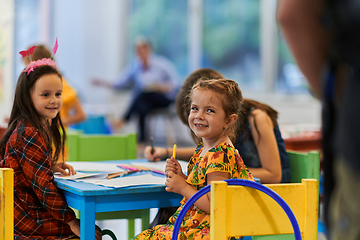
153, 80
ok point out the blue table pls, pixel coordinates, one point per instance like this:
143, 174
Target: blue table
90, 199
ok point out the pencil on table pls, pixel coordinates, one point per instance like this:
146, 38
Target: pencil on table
119, 174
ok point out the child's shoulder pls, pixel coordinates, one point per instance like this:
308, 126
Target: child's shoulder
222, 147
24, 129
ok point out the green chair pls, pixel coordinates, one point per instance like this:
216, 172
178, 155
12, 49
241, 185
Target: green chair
302, 165
102, 147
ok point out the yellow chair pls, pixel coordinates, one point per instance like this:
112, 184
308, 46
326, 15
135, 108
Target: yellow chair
6, 203
100, 147
252, 211
303, 165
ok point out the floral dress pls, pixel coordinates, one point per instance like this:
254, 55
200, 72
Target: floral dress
196, 223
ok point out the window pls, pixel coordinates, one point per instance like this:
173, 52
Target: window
164, 23
232, 39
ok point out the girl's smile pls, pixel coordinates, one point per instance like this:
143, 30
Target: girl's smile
200, 126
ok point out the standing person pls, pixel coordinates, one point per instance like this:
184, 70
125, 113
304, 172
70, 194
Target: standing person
214, 117
40, 210
324, 40
154, 80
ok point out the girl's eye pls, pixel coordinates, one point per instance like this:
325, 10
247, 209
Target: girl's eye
210, 111
194, 108
45, 94
58, 94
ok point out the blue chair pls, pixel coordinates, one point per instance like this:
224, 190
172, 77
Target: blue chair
94, 124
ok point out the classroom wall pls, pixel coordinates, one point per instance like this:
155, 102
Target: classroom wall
6, 57
89, 23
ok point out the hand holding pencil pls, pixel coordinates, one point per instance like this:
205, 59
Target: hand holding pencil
172, 164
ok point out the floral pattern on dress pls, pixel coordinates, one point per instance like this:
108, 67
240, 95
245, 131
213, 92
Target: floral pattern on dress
196, 222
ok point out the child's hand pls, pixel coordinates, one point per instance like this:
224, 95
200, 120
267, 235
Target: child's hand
62, 167
172, 165
156, 156
175, 183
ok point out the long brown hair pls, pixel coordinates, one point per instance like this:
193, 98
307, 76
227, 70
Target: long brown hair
23, 109
249, 104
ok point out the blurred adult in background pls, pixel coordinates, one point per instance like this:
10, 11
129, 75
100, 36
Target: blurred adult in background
324, 38
154, 81
71, 111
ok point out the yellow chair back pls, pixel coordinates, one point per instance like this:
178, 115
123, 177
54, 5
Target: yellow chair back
6, 203
243, 211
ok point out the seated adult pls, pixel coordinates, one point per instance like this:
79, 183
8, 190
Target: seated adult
154, 80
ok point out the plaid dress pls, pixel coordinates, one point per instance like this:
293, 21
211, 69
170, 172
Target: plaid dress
196, 223
40, 210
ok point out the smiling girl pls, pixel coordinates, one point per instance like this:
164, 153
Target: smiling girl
215, 112
40, 210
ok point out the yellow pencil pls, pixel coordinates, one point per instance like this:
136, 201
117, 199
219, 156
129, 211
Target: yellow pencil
174, 151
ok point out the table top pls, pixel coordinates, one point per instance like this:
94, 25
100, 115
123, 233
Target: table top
88, 189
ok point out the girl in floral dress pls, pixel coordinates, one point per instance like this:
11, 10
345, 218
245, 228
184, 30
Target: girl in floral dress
214, 117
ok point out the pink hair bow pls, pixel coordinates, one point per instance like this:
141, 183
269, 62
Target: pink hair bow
27, 52
55, 47
41, 62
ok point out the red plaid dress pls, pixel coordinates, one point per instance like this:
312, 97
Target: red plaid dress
40, 210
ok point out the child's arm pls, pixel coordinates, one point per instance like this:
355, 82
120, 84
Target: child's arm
177, 184
42, 178
162, 153
62, 167
262, 130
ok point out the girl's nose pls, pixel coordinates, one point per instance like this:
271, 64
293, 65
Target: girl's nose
199, 115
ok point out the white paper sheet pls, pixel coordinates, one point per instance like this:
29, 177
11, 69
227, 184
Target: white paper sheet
95, 167
79, 175
138, 180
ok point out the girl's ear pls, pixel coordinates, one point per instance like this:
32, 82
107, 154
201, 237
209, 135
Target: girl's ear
233, 118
